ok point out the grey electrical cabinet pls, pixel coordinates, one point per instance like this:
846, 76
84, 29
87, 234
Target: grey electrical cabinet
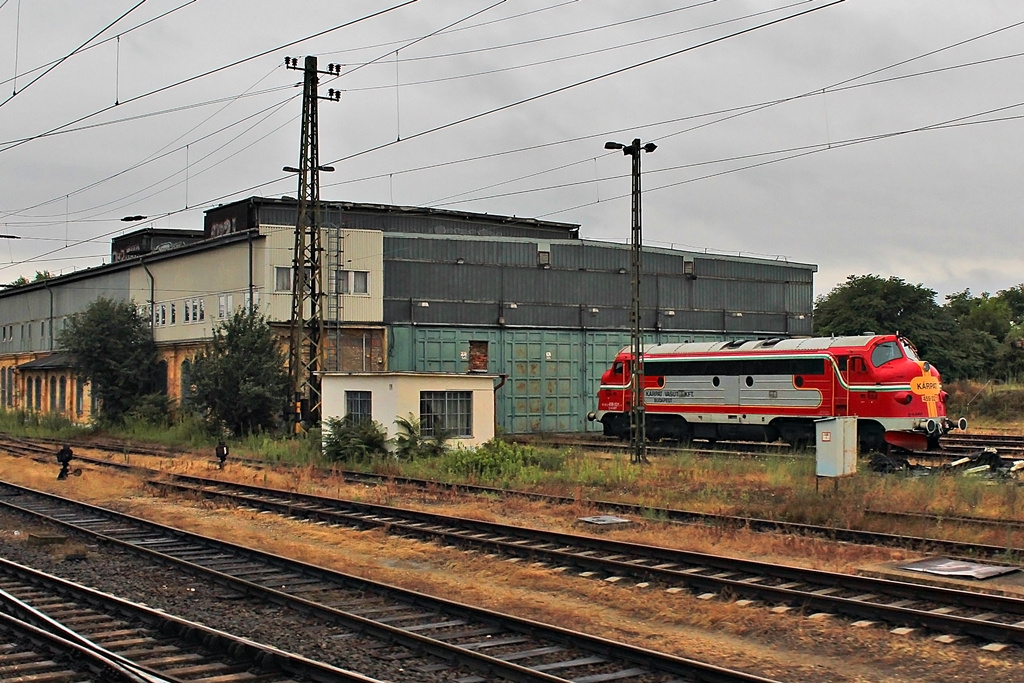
836, 446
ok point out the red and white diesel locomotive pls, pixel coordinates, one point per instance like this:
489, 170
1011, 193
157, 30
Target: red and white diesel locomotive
771, 389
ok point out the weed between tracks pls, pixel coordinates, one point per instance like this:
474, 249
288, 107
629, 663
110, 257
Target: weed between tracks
782, 646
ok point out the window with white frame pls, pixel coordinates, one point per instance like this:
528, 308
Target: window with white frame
171, 306
448, 413
254, 303
352, 282
225, 305
282, 279
192, 310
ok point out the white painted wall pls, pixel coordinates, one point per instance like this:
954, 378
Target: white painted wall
397, 394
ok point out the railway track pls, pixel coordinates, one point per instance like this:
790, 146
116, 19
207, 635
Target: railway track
117, 640
27, 651
493, 644
1009, 551
942, 610
951, 447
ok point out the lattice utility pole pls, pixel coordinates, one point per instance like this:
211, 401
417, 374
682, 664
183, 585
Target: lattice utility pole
638, 407
305, 352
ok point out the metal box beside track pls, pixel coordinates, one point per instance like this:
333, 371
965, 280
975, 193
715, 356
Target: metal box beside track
835, 446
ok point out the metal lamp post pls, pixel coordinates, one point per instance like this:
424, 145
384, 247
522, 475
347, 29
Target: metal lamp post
637, 412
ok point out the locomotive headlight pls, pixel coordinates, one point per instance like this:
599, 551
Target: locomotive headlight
903, 397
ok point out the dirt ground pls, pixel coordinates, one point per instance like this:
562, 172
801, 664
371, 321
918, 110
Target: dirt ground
786, 646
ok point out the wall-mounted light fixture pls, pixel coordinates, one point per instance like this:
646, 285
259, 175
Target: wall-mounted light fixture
459, 261
512, 305
424, 304
622, 271
595, 311
737, 314
670, 313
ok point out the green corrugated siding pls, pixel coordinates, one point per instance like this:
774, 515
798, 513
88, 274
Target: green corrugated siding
553, 375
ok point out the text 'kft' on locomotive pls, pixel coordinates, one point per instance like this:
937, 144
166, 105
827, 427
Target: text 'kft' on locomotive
771, 389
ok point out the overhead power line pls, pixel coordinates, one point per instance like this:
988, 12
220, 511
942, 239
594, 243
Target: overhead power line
209, 73
99, 42
70, 54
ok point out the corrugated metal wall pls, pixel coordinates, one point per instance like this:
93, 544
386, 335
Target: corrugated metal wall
552, 375
554, 330
470, 281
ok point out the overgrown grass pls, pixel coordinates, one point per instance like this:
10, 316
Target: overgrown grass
783, 488
38, 425
986, 404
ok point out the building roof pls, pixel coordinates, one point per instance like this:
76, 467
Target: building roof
55, 361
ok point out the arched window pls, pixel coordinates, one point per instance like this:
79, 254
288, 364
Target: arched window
186, 382
3, 386
79, 397
161, 377
39, 393
62, 394
53, 394
28, 393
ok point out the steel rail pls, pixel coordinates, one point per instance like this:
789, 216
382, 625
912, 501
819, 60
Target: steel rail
872, 598
842, 534
105, 613
222, 562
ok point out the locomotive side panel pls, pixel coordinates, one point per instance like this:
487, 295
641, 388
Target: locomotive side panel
776, 388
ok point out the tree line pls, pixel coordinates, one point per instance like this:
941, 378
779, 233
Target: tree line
966, 337
237, 384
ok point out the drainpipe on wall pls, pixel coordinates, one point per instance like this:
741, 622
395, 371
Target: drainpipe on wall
252, 301
504, 378
50, 321
152, 296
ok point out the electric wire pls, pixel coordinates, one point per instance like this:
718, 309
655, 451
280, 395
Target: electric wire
957, 122
525, 100
836, 144
569, 34
456, 29
70, 54
100, 42
839, 86
169, 213
210, 72
164, 152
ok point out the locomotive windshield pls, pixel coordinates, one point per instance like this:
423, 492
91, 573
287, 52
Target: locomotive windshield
885, 352
909, 349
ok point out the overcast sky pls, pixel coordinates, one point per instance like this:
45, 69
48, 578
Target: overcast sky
866, 136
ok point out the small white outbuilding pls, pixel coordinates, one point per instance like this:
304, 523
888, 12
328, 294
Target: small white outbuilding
462, 406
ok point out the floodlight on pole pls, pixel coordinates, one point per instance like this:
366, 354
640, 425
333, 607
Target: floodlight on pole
638, 408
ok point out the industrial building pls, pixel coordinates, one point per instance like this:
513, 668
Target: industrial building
408, 289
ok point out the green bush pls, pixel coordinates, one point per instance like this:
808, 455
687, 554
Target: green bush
348, 440
988, 401
499, 460
410, 444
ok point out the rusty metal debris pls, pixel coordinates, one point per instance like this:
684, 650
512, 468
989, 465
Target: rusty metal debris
944, 566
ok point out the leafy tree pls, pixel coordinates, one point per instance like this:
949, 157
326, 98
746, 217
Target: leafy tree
891, 305
992, 315
240, 381
1014, 298
884, 306
39, 277
112, 347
